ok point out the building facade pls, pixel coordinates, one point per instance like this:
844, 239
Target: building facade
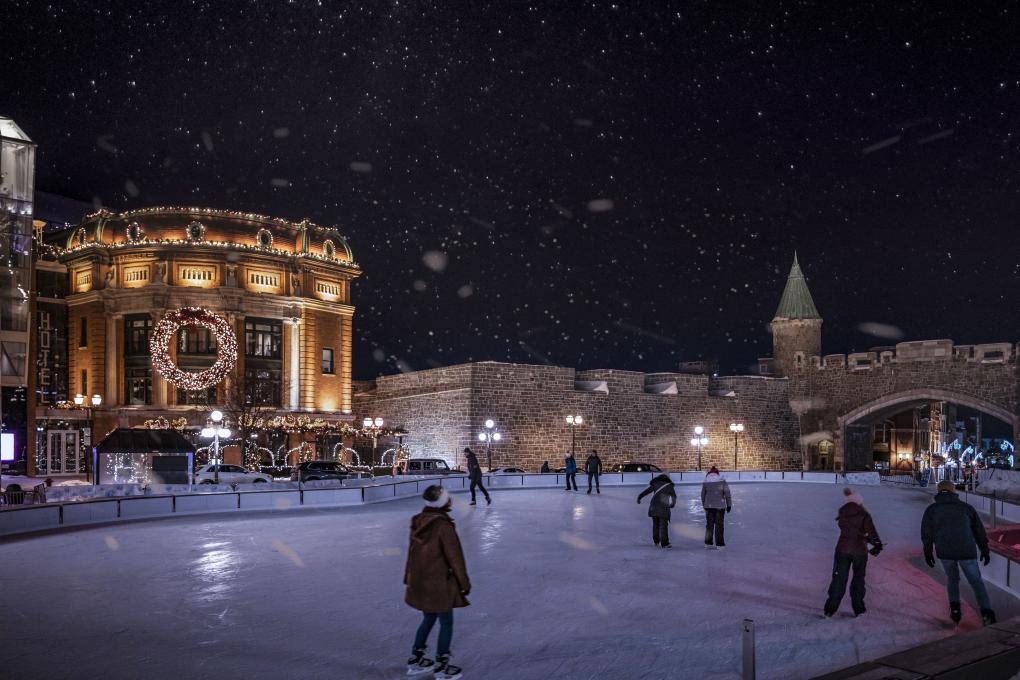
283, 287
17, 192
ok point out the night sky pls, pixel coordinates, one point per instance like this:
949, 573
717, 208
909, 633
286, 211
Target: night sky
599, 184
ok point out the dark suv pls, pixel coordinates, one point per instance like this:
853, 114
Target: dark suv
312, 470
635, 467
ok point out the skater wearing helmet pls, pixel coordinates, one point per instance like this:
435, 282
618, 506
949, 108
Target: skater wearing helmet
663, 498
856, 531
953, 528
437, 582
715, 498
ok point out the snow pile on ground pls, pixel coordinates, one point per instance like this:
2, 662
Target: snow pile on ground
999, 483
565, 585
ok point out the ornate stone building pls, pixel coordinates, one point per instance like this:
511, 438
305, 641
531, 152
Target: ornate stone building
284, 287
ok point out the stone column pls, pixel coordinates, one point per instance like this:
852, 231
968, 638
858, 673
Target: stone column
294, 363
113, 324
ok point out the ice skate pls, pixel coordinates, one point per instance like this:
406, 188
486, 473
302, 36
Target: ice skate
488, 500
473, 503
444, 670
954, 612
418, 664
988, 617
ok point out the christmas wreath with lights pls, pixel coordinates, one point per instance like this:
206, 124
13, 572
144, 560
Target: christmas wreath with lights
166, 330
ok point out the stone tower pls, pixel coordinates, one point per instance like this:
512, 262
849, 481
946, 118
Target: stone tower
797, 327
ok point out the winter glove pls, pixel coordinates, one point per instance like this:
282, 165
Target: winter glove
875, 549
985, 558
929, 560
728, 508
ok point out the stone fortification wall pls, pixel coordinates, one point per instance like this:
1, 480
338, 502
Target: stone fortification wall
529, 404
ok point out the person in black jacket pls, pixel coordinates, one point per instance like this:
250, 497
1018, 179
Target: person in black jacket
856, 531
475, 475
663, 498
593, 467
954, 530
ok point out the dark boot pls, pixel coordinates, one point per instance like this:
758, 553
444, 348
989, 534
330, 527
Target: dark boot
954, 612
988, 617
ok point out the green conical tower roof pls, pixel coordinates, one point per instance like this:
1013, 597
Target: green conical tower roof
796, 302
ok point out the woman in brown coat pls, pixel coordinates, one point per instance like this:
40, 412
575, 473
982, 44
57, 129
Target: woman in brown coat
437, 581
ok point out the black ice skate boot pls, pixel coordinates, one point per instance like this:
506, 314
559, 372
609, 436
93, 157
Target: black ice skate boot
418, 664
954, 612
988, 617
444, 670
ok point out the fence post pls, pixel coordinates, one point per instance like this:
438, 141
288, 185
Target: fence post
993, 509
748, 663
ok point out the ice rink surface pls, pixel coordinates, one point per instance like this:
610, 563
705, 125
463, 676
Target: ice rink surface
565, 585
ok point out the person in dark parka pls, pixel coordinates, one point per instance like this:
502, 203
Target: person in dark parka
570, 470
593, 468
475, 475
856, 531
663, 499
436, 578
952, 530
545, 467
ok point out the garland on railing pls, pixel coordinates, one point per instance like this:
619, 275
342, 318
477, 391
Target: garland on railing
161, 423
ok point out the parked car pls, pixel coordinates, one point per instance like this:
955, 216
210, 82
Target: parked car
311, 470
429, 466
229, 474
635, 467
506, 471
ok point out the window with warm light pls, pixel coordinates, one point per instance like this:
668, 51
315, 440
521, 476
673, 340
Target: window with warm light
327, 361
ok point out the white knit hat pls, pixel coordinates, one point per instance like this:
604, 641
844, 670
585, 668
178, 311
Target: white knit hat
444, 498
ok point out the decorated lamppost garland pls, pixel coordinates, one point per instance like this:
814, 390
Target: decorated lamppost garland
166, 331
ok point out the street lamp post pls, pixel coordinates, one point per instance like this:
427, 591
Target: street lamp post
574, 422
699, 441
490, 435
736, 428
96, 400
373, 426
214, 430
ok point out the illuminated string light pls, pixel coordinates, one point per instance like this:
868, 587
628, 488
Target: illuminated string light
166, 330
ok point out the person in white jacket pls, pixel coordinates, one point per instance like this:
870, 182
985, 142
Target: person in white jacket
715, 498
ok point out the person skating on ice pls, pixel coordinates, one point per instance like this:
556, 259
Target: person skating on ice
856, 531
662, 501
570, 470
952, 530
716, 500
437, 582
593, 468
475, 475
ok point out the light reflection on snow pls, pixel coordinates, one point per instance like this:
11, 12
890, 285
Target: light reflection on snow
491, 534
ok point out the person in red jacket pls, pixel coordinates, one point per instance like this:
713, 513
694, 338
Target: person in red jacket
856, 531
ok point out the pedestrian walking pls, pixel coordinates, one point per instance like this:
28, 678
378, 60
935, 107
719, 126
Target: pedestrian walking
953, 528
545, 467
437, 582
571, 471
475, 475
662, 501
856, 531
716, 500
593, 468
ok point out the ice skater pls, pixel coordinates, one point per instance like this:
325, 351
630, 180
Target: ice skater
856, 531
716, 500
437, 582
571, 470
663, 499
955, 531
593, 467
475, 475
